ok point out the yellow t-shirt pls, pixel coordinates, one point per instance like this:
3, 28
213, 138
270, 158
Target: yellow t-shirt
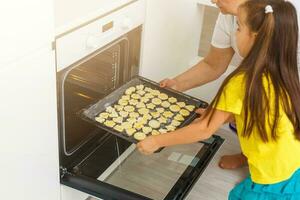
270, 162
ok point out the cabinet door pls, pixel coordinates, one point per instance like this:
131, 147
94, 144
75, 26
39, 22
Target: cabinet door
26, 26
28, 130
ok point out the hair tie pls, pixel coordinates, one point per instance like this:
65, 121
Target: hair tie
268, 9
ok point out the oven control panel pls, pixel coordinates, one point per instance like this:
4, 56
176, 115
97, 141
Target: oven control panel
79, 43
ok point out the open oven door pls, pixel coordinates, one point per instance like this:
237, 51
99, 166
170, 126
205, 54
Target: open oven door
167, 175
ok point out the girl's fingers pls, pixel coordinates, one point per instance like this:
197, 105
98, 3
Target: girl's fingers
200, 111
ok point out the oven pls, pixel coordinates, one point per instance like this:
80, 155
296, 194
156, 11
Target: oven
92, 61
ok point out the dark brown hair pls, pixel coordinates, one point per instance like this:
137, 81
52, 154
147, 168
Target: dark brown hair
273, 56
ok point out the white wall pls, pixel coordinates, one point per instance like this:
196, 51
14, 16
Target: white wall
25, 27
171, 39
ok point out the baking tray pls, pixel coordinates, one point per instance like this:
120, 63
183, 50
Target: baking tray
93, 110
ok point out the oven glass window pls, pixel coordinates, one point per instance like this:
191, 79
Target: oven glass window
86, 83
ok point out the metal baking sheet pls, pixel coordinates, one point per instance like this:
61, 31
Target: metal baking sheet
90, 113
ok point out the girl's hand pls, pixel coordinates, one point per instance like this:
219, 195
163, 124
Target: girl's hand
169, 83
148, 145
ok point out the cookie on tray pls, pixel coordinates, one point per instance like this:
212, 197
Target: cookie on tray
172, 100
184, 112
109, 123
139, 136
154, 124
166, 104
174, 108
190, 108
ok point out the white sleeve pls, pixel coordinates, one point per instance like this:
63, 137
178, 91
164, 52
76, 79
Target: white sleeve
221, 36
296, 3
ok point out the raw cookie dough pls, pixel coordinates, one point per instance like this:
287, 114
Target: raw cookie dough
163, 96
104, 115
135, 96
127, 125
155, 92
130, 90
99, 119
109, 123
129, 108
138, 125
160, 110
110, 109
156, 101
140, 87
113, 114
172, 100
147, 130
143, 111
149, 96
179, 117
123, 114
155, 114
131, 120
162, 120
147, 89
142, 120
134, 115
139, 136
140, 105
141, 92
155, 132
123, 102
119, 128
133, 102
175, 123
144, 99
150, 106
170, 128
168, 114
119, 107
125, 97
174, 108
130, 131
190, 108
147, 117
165, 104
118, 120
181, 104
154, 124
184, 112
163, 130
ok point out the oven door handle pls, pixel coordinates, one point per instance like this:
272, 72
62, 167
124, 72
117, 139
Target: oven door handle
99, 189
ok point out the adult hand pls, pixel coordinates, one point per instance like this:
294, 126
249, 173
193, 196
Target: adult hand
148, 145
169, 83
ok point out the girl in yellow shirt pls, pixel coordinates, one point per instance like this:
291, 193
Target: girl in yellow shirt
263, 96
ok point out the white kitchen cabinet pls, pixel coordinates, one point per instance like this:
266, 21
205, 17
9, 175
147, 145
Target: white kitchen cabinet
29, 145
26, 26
28, 109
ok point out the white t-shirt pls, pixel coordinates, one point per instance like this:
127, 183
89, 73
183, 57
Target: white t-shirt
224, 33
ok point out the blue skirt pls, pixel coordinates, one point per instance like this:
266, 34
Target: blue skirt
285, 190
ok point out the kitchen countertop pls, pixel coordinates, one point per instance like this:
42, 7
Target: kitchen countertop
215, 183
